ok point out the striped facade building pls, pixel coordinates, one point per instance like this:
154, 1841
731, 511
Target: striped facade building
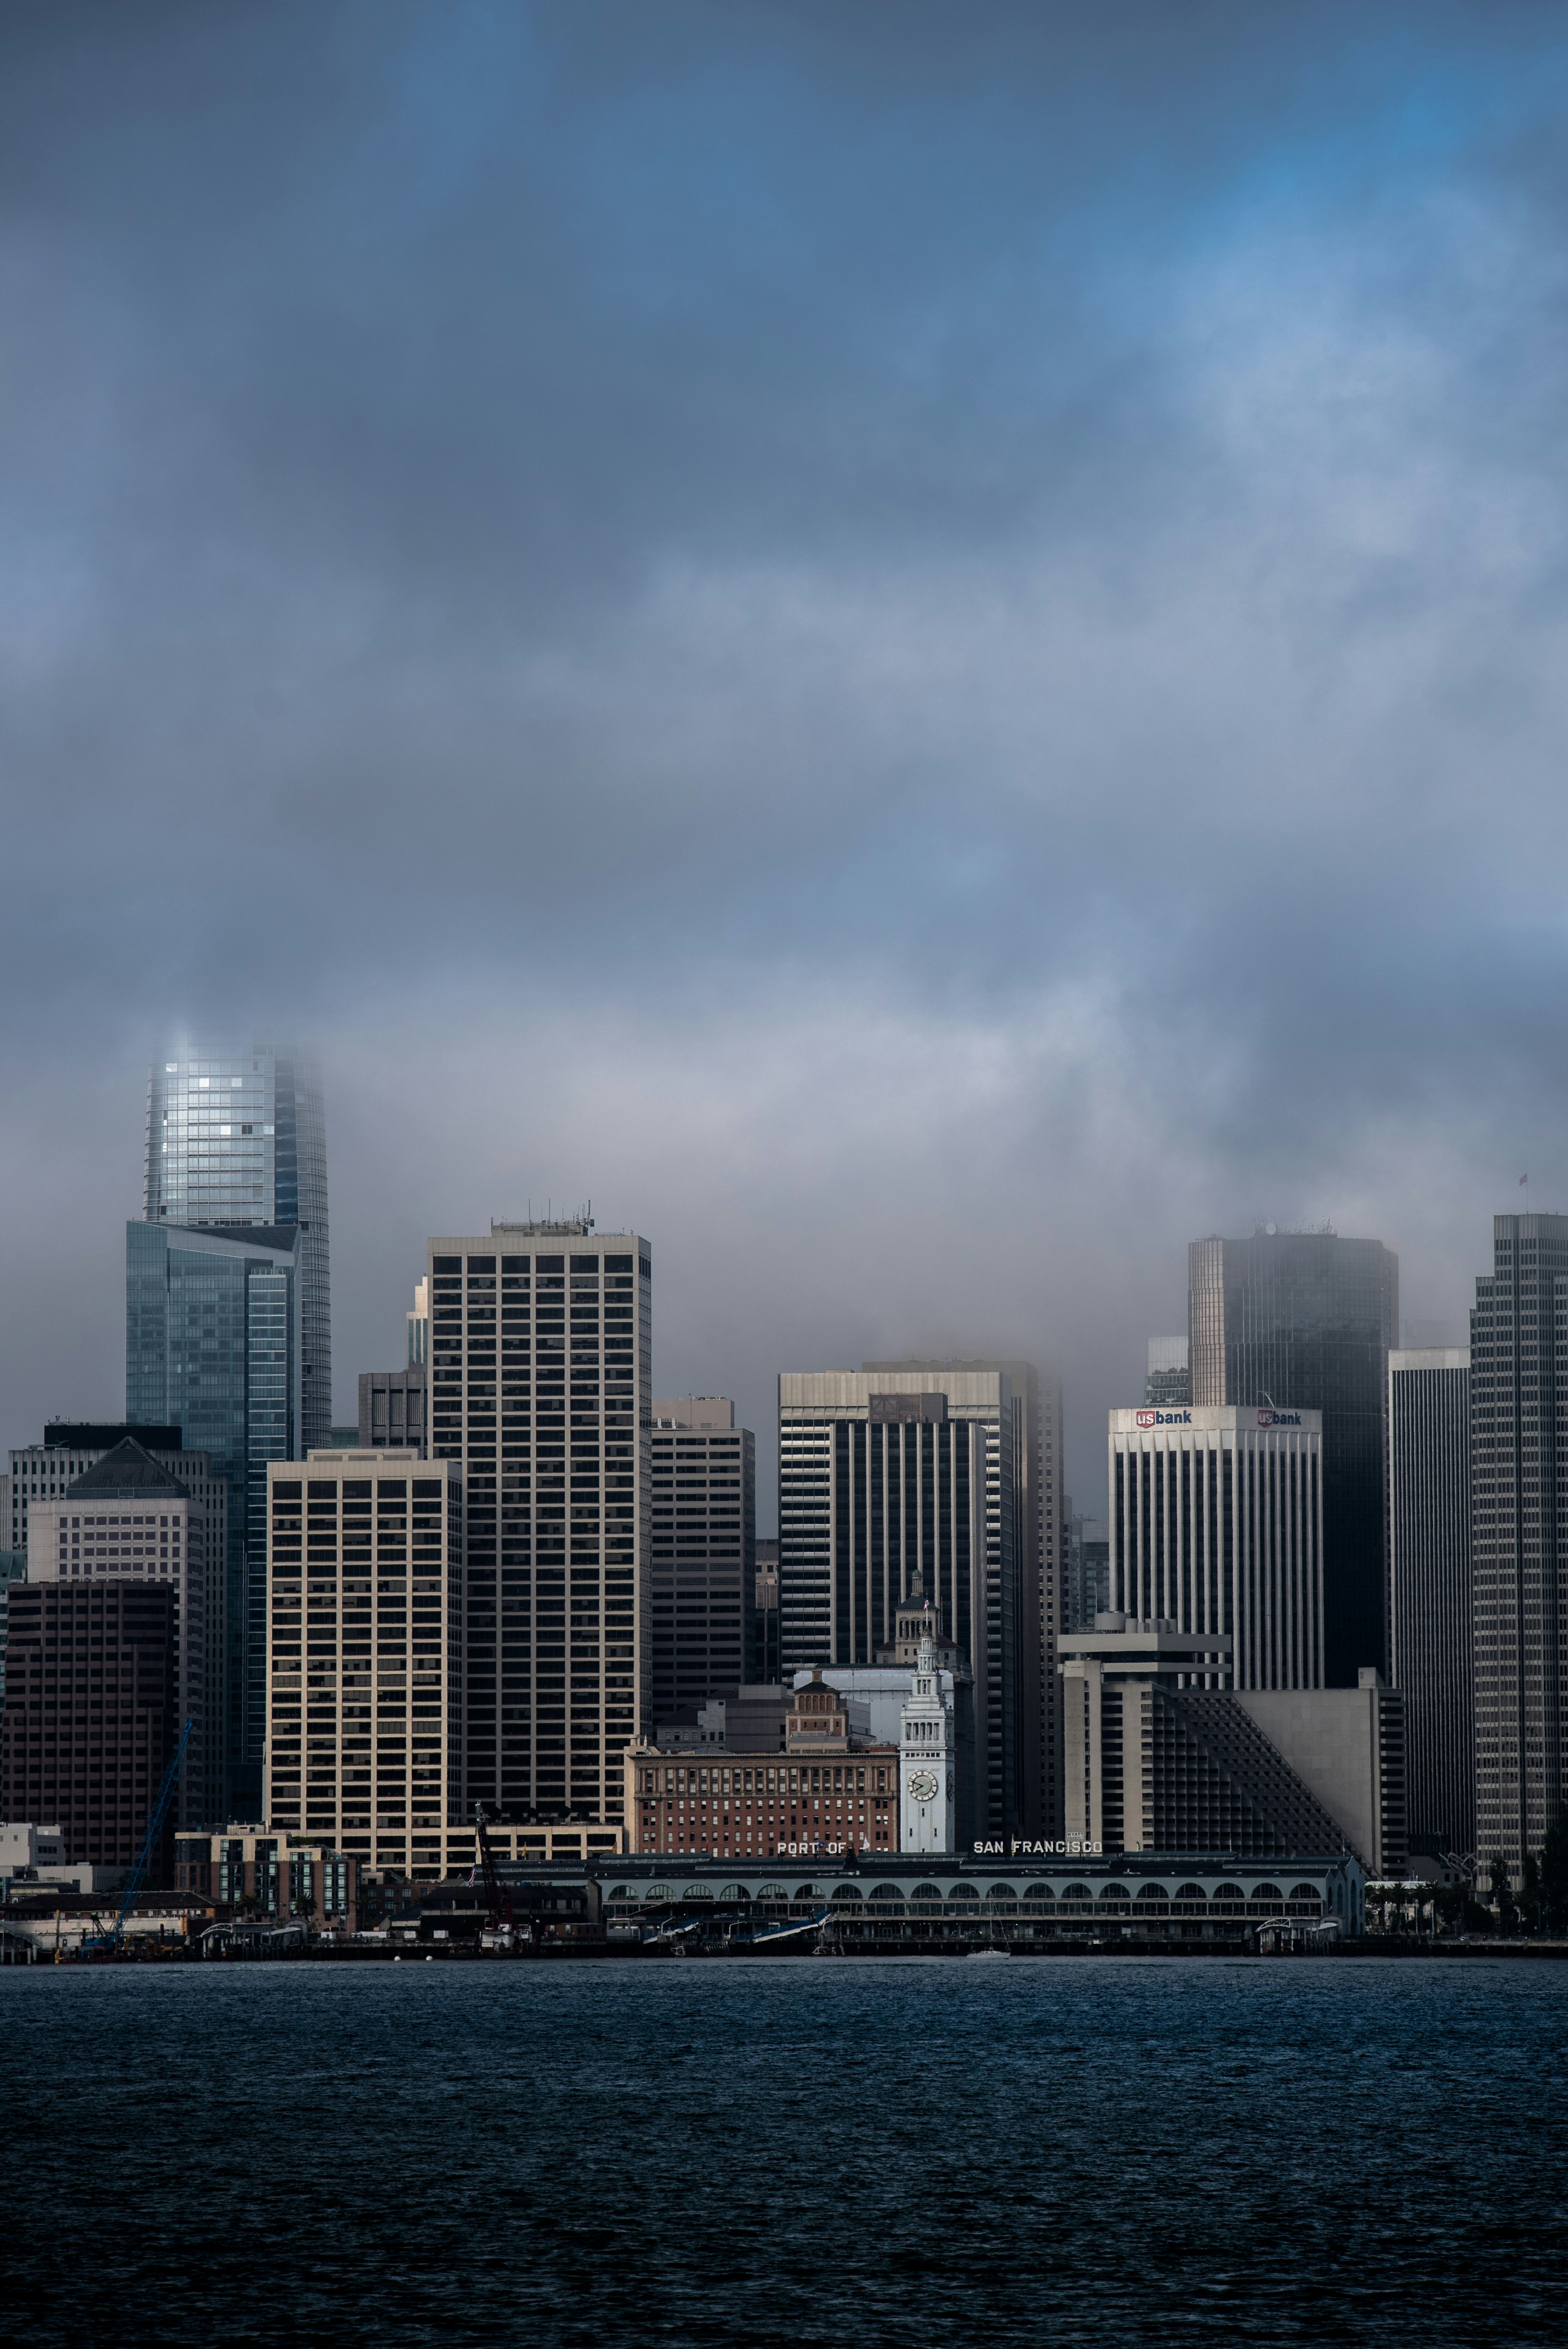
1216, 1526
1430, 1590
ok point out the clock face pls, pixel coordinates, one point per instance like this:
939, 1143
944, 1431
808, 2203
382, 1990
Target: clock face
924, 1785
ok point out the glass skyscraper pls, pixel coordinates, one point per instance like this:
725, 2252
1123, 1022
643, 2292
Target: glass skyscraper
236, 1139
213, 1345
1305, 1320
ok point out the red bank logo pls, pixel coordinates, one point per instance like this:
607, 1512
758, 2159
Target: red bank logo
1147, 1418
1266, 1419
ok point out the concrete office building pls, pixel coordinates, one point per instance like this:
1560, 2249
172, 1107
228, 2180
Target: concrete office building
885, 1474
212, 1345
765, 1664
702, 1544
1040, 1544
41, 1472
1086, 1575
1216, 1524
1519, 1454
511, 1374
1431, 1598
1167, 1382
830, 1790
392, 1412
128, 1514
236, 1141
1164, 1756
90, 1722
366, 1594
1304, 1322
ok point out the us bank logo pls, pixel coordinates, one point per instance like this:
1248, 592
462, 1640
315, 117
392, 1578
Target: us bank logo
1279, 1419
1164, 1419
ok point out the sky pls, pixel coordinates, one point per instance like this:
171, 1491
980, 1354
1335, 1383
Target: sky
920, 647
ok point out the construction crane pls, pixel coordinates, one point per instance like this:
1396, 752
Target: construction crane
110, 1944
500, 1925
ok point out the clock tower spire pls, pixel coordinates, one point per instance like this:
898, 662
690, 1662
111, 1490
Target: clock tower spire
927, 1759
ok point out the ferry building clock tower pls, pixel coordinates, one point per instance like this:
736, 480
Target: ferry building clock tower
926, 1760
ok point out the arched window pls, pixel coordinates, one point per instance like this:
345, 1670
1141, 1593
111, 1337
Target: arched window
1153, 1892
964, 1892
1038, 1892
809, 1892
1306, 1892
925, 1892
887, 1892
1227, 1892
771, 1893
1114, 1893
848, 1896
623, 1892
698, 1892
1000, 1892
735, 1892
1267, 1892
658, 1892
1190, 1892
1077, 1892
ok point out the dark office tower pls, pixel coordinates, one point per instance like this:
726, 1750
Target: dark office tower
1305, 1320
1039, 1556
1430, 1595
236, 1137
702, 1552
212, 1347
541, 1335
89, 1718
897, 1471
1519, 1451
764, 1671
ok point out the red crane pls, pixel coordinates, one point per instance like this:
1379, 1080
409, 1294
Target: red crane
500, 1925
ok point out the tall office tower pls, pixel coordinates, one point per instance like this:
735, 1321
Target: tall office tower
1040, 1549
90, 1724
130, 1514
1168, 1382
765, 1667
392, 1411
552, 1322
365, 1687
702, 1541
1431, 1599
1216, 1526
1519, 1450
1086, 1578
212, 1345
41, 1475
236, 1139
1304, 1320
885, 1474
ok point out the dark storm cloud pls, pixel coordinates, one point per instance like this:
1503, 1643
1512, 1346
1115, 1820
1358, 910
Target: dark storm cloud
971, 595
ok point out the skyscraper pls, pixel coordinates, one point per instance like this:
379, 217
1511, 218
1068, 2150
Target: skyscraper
1216, 1527
213, 1347
1305, 1320
1431, 1598
236, 1138
702, 1545
1040, 1555
552, 1322
1519, 1450
885, 1472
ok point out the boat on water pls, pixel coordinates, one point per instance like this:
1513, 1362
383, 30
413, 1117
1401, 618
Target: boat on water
978, 1954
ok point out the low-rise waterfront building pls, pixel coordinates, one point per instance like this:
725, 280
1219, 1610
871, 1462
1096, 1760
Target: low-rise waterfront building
246, 1869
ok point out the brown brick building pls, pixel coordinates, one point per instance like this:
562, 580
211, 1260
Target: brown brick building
826, 1792
89, 1725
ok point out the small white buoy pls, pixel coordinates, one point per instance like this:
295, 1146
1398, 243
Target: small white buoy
429, 1961
397, 1960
